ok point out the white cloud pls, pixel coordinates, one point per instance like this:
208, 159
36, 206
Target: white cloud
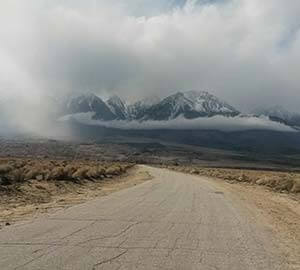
245, 51
221, 123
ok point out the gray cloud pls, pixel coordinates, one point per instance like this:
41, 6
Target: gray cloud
245, 51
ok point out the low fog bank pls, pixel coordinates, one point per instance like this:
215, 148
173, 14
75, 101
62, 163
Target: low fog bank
221, 123
32, 116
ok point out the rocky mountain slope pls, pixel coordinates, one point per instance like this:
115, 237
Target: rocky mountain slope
189, 105
90, 103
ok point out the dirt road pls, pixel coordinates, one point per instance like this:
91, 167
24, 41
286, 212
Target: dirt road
174, 221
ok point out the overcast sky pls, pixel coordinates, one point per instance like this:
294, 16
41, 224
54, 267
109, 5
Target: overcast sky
244, 51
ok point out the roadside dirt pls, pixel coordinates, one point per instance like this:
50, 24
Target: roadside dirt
271, 199
62, 194
278, 212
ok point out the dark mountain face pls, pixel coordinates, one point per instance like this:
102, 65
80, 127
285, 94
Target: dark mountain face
118, 107
169, 108
91, 103
139, 108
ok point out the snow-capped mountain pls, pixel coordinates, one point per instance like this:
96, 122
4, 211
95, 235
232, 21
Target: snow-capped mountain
189, 105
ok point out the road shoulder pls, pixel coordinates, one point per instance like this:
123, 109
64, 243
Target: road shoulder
15, 211
278, 213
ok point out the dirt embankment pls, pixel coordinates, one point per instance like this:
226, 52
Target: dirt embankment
29, 186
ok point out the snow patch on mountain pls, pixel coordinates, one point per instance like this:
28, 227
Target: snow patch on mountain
206, 102
118, 107
189, 105
139, 108
200, 106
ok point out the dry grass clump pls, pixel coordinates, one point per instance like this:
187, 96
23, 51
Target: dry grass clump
278, 181
14, 171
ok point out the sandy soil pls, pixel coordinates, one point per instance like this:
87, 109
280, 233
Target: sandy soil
61, 195
279, 212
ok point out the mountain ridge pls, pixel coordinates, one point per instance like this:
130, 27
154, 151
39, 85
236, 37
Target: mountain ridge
189, 104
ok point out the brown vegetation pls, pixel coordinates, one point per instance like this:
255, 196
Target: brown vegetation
16, 171
277, 181
32, 186
25, 182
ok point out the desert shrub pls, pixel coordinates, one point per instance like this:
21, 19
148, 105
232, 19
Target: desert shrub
31, 163
20, 164
262, 181
194, 171
243, 178
69, 171
5, 168
277, 183
57, 173
268, 181
17, 175
101, 170
296, 186
19, 170
113, 170
92, 173
32, 173
4, 181
64, 163
284, 184
81, 173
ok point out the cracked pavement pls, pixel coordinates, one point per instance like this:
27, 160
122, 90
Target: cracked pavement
174, 221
